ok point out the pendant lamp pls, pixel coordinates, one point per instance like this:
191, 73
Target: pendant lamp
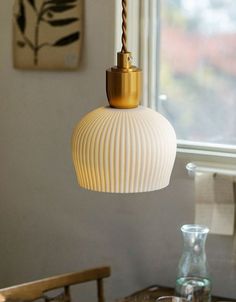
124, 147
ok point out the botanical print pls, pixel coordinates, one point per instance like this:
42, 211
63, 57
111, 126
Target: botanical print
43, 25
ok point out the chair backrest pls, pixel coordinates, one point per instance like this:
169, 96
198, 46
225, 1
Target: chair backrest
38, 289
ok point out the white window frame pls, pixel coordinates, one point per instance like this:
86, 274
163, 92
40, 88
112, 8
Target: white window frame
143, 28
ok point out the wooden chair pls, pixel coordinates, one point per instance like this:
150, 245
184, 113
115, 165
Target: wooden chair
31, 291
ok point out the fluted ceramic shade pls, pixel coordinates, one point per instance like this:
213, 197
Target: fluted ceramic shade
123, 150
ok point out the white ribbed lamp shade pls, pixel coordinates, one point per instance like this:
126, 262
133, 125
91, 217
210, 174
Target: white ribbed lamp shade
123, 150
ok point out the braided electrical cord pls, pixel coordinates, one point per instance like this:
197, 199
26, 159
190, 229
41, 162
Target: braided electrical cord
124, 26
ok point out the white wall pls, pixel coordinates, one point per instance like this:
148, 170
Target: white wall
48, 224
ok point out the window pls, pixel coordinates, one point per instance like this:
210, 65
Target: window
198, 69
186, 49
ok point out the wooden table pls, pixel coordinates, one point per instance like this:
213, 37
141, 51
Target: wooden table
151, 293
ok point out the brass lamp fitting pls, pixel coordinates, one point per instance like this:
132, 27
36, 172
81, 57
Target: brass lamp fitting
123, 83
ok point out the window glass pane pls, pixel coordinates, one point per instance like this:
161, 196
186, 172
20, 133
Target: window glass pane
198, 69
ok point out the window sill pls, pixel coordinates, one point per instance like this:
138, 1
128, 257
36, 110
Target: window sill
193, 154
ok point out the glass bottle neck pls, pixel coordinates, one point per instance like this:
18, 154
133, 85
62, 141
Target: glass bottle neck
194, 238
194, 244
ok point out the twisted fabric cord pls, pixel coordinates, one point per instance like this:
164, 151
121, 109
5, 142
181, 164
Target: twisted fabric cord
124, 26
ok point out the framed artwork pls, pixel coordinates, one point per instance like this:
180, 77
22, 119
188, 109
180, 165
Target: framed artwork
47, 34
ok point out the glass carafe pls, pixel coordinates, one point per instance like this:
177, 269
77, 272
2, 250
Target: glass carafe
193, 281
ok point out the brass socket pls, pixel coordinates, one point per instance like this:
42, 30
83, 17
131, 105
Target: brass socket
123, 83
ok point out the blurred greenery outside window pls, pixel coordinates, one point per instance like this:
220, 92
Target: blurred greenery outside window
197, 70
